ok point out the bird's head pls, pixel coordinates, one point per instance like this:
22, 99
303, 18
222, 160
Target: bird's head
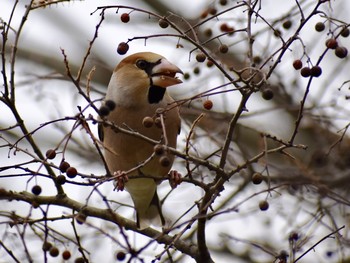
144, 76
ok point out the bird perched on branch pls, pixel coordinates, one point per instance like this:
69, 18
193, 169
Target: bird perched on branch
137, 101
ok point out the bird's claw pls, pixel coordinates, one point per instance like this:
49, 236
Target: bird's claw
175, 178
120, 179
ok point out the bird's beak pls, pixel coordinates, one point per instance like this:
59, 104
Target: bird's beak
164, 74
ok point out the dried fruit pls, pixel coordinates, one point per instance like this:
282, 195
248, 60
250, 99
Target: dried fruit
54, 252
223, 48
200, 57
263, 205
71, 172
36, 189
305, 72
267, 94
316, 71
110, 104
66, 254
125, 17
64, 166
147, 122
208, 104
297, 64
332, 43
122, 48
61, 179
341, 52
162, 23
319, 27
50, 154
257, 178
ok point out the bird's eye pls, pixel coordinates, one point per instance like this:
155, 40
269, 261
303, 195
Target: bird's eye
141, 64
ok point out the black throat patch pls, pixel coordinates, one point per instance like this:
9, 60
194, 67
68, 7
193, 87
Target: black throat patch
155, 94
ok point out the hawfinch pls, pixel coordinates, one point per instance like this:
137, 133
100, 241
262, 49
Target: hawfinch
138, 89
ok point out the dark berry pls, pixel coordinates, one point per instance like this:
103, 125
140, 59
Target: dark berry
110, 104
61, 179
162, 23
46, 246
147, 122
120, 255
66, 254
223, 2
316, 71
80, 218
277, 33
158, 149
50, 154
164, 161
345, 32
331, 43
293, 236
158, 122
341, 52
125, 17
257, 178
36, 189
319, 27
210, 63
223, 48
79, 260
287, 24
187, 75
305, 72
263, 205
208, 32
200, 57
103, 111
297, 64
71, 172
54, 252
122, 48
196, 70
64, 166
212, 11
267, 94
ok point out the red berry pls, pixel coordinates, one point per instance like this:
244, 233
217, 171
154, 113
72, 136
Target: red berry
208, 104
297, 64
50, 154
125, 18
122, 48
305, 72
332, 43
64, 166
66, 254
71, 172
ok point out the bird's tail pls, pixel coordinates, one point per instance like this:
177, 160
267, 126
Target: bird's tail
152, 215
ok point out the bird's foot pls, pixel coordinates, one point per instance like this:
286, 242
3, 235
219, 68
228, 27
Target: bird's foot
120, 179
175, 178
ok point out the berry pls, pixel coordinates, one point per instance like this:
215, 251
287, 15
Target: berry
71, 172
297, 64
66, 254
46, 246
122, 48
164, 161
305, 72
212, 11
263, 205
277, 33
210, 63
257, 178
267, 94
293, 236
341, 52
54, 252
345, 32
36, 190
110, 104
158, 149
257, 60
103, 111
208, 104
208, 32
223, 2
162, 23
331, 43
147, 122
64, 166
187, 75
224, 27
120, 255
316, 71
287, 24
158, 122
61, 179
79, 260
80, 218
223, 48
200, 57
319, 27
125, 18
196, 70
50, 154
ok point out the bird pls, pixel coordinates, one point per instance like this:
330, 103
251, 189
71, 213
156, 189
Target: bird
137, 90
